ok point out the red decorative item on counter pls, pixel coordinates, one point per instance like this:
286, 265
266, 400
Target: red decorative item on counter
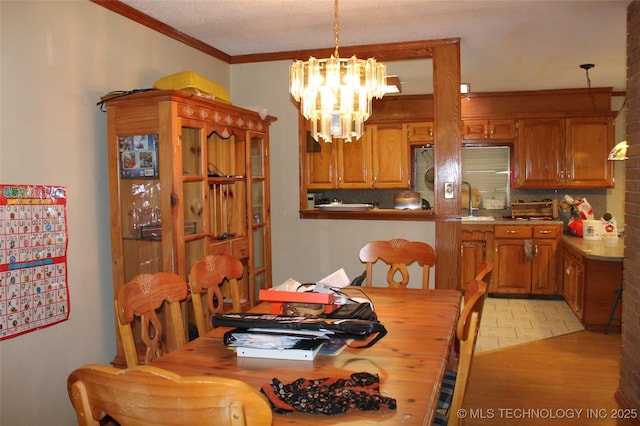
575, 227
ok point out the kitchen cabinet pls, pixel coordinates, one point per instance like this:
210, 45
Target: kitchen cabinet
321, 166
378, 160
187, 177
489, 130
573, 283
476, 246
545, 266
590, 285
563, 153
390, 156
589, 141
420, 133
340, 164
525, 259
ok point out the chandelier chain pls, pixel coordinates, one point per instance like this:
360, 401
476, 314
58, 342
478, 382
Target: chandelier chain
336, 28
335, 94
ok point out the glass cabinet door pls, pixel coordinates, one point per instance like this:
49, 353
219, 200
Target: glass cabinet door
260, 210
140, 205
191, 224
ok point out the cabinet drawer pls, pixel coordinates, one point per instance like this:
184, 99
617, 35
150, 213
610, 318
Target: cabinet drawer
547, 231
220, 247
513, 231
240, 248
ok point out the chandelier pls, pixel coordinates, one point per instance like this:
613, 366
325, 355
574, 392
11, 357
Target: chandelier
335, 94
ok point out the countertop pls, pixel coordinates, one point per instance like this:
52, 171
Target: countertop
595, 249
417, 215
509, 221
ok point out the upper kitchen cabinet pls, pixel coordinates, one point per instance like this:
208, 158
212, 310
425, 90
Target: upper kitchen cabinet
390, 156
563, 153
588, 142
420, 133
489, 130
340, 164
379, 159
539, 154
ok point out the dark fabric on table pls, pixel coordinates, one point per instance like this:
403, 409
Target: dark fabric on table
328, 395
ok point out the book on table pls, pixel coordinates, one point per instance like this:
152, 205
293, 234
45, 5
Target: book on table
305, 350
276, 344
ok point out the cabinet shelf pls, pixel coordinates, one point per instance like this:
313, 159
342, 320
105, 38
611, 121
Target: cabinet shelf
221, 180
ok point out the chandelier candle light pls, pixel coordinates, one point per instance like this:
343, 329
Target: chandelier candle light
335, 94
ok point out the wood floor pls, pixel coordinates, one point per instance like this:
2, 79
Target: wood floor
548, 382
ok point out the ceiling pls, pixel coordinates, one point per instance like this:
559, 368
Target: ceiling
539, 44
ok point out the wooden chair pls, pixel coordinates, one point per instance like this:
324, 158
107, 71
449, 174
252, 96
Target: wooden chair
147, 395
398, 254
483, 273
205, 279
454, 385
467, 349
143, 297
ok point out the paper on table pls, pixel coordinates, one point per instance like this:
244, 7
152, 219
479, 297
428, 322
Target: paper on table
288, 285
337, 279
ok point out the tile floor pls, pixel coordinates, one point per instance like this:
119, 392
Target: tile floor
510, 322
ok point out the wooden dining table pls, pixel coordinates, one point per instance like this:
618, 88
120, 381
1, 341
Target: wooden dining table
410, 360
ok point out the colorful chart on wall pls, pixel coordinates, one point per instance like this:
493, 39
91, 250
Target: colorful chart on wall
33, 258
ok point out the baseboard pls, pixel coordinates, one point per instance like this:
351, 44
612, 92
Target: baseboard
624, 405
526, 296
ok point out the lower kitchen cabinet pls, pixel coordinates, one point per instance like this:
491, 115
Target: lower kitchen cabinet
590, 287
573, 286
525, 259
476, 246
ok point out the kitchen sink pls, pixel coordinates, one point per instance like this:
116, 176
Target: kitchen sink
478, 218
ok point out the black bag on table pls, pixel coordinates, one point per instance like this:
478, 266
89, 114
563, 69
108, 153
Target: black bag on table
344, 327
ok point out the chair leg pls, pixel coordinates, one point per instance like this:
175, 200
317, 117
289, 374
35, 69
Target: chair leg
613, 311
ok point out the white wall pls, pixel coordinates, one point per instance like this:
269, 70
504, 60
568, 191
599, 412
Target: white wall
58, 58
306, 250
615, 196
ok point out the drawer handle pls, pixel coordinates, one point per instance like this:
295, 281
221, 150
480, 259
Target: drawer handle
544, 232
512, 231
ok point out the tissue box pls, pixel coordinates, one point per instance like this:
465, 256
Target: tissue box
277, 298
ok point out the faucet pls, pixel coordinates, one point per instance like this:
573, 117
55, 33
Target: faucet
470, 202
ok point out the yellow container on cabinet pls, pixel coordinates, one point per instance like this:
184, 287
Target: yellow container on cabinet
191, 81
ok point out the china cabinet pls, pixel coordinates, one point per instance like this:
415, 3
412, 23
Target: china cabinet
188, 177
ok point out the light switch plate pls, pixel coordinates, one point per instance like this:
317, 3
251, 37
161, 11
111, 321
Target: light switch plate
448, 190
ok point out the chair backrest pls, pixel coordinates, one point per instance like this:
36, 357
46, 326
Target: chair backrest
398, 254
483, 273
467, 349
205, 279
474, 296
147, 395
143, 297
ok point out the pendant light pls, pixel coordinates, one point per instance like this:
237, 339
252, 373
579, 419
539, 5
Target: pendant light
335, 94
